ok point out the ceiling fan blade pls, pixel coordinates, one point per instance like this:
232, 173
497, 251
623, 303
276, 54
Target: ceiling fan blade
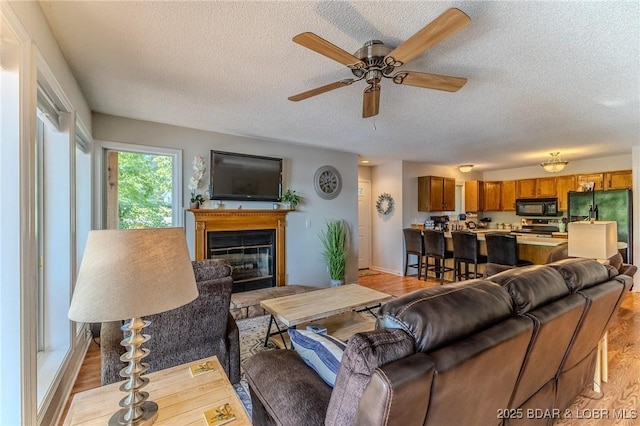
445, 25
320, 90
371, 101
323, 47
429, 81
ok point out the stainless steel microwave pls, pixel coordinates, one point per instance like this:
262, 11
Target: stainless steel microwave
539, 207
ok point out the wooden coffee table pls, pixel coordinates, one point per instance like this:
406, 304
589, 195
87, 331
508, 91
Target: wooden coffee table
181, 399
334, 306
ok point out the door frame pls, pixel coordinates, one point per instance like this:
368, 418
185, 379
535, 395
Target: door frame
369, 215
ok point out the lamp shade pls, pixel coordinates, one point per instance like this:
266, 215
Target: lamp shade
594, 240
132, 273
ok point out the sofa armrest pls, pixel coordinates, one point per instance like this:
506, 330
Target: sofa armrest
110, 350
233, 346
398, 393
285, 390
628, 269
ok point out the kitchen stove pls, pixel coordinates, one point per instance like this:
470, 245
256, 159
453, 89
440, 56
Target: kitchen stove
538, 227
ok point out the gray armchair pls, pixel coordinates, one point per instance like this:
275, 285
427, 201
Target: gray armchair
196, 330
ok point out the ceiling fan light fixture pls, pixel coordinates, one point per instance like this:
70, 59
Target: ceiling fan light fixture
465, 168
554, 164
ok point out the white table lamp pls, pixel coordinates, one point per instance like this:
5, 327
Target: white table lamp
594, 240
127, 274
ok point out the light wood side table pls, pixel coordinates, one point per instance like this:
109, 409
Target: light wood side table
181, 399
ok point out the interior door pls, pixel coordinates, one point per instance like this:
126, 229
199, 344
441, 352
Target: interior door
364, 224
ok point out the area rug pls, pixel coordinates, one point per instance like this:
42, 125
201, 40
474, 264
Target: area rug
367, 272
252, 333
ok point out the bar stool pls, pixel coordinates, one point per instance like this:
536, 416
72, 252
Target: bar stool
465, 251
413, 245
435, 247
503, 250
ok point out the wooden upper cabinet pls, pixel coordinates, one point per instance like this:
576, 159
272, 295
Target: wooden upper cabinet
598, 178
449, 194
508, 197
564, 184
474, 196
546, 187
622, 179
492, 196
436, 194
526, 188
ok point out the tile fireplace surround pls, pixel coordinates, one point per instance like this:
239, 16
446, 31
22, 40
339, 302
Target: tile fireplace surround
242, 220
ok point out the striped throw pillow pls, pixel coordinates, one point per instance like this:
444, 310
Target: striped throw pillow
321, 352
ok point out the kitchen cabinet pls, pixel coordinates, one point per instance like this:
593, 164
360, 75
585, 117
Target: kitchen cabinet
436, 193
508, 196
622, 179
564, 184
597, 178
546, 187
474, 196
525, 188
492, 196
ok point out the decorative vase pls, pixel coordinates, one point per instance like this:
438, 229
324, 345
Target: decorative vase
337, 283
195, 205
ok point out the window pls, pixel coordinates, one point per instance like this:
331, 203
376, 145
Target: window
142, 187
53, 228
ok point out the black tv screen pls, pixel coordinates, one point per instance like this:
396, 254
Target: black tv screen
245, 177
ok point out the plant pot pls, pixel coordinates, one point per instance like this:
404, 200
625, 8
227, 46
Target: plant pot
195, 205
337, 283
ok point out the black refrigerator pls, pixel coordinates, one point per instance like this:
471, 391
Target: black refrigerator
610, 205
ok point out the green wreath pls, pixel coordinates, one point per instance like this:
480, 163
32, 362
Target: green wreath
385, 203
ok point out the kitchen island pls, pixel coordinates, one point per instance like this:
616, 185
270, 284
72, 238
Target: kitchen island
531, 247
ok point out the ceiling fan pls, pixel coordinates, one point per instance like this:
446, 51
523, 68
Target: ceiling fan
375, 60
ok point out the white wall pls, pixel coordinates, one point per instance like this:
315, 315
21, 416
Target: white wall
304, 262
34, 22
387, 247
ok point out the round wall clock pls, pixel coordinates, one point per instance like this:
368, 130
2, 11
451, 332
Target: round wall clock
327, 182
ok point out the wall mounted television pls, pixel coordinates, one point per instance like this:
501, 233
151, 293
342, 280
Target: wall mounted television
245, 177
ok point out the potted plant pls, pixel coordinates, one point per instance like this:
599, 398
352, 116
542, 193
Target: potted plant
196, 200
335, 242
290, 199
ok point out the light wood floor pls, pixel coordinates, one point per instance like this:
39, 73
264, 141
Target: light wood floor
622, 392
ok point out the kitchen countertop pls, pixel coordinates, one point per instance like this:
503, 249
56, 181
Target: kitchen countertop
522, 239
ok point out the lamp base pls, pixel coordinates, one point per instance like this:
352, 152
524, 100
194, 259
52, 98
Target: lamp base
149, 415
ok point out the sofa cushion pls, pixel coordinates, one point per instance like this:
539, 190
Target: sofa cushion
580, 273
427, 314
321, 352
532, 286
364, 353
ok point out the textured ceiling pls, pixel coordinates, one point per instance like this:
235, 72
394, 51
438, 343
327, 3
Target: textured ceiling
542, 76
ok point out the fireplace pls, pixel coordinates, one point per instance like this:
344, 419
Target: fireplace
251, 255
240, 236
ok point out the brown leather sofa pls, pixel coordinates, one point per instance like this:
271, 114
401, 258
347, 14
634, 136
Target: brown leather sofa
514, 350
